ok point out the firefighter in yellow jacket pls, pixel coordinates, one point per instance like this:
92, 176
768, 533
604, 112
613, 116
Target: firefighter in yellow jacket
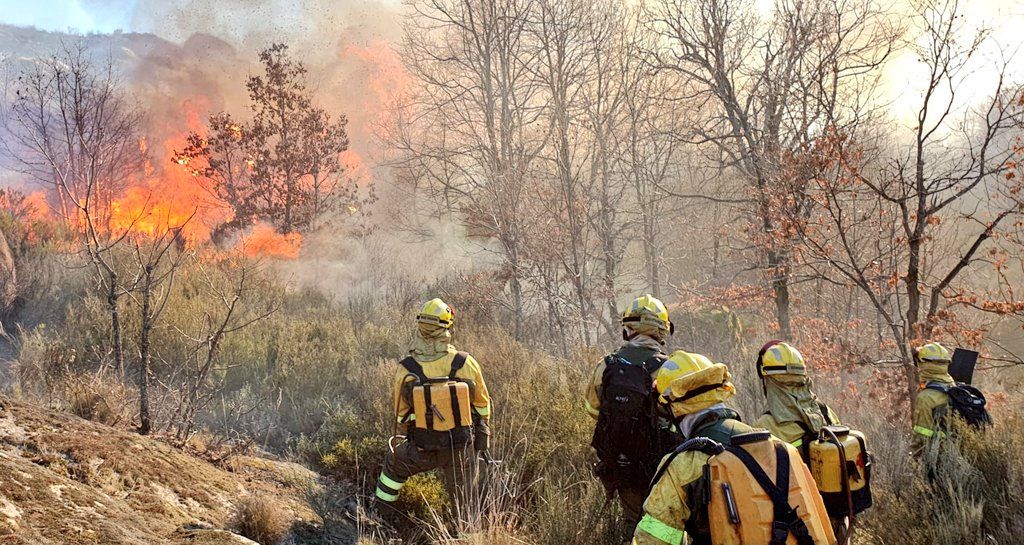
794, 413
683, 499
435, 387
931, 404
629, 435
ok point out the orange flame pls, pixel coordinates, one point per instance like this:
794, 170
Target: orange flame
264, 241
385, 76
36, 206
170, 198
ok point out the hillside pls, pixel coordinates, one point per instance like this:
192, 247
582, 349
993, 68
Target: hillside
65, 480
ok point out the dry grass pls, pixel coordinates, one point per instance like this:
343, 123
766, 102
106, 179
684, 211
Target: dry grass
262, 520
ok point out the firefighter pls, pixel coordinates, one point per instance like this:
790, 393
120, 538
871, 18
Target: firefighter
794, 413
932, 401
442, 409
682, 494
619, 395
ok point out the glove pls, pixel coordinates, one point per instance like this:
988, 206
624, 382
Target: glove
481, 437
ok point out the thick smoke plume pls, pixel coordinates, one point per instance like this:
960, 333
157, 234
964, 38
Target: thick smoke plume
189, 59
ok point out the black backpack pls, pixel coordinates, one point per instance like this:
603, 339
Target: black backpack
627, 438
968, 402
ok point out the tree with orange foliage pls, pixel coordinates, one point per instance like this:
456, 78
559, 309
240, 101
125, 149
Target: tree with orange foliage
928, 231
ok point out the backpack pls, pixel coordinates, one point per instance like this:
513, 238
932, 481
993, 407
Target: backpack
821, 454
966, 401
627, 437
740, 504
442, 413
841, 467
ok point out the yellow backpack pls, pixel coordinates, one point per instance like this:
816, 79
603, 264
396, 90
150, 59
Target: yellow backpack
442, 411
843, 475
744, 506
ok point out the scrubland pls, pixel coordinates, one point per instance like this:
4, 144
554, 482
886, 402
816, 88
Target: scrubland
311, 383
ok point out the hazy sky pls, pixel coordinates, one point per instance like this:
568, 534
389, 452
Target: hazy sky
241, 21
81, 15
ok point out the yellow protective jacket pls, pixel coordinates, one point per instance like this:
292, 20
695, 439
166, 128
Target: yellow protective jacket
929, 412
636, 352
791, 432
437, 368
668, 506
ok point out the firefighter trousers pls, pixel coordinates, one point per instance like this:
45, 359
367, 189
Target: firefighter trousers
457, 465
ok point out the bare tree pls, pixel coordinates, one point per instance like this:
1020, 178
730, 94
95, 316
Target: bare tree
238, 300
472, 133
766, 88
158, 259
918, 231
76, 133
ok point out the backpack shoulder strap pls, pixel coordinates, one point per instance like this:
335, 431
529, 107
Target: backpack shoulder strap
786, 519
702, 444
414, 368
653, 363
938, 387
458, 362
825, 413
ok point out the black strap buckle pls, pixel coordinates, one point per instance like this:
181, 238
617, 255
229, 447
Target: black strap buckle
780, 532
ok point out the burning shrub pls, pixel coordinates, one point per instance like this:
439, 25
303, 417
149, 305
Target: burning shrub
264, 241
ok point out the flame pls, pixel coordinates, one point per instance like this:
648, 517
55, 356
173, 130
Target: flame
385, 75
355, 168
264, 241
169, 198
37, 207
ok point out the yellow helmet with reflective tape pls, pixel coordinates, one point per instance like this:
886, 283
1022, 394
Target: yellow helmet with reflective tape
678, 364
436, 312
780, 358
647, 311
932, 352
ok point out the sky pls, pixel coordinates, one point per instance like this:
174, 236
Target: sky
242, 21
101, 16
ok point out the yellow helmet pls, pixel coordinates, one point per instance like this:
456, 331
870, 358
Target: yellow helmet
647, 311
436, 312
932, 352
678, 364
780, 358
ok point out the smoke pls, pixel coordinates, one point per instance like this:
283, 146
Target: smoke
386, 260
354, 69
185, 60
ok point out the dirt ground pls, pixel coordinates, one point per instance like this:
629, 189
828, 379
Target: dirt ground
65, 480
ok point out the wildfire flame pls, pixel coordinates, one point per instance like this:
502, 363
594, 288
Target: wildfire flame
169, 198
264, 241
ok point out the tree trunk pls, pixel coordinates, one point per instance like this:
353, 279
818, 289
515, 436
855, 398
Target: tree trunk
115, 324
517, 302
145, 423
780, 287
651, 255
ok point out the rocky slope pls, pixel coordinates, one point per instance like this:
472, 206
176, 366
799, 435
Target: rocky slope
65, 480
